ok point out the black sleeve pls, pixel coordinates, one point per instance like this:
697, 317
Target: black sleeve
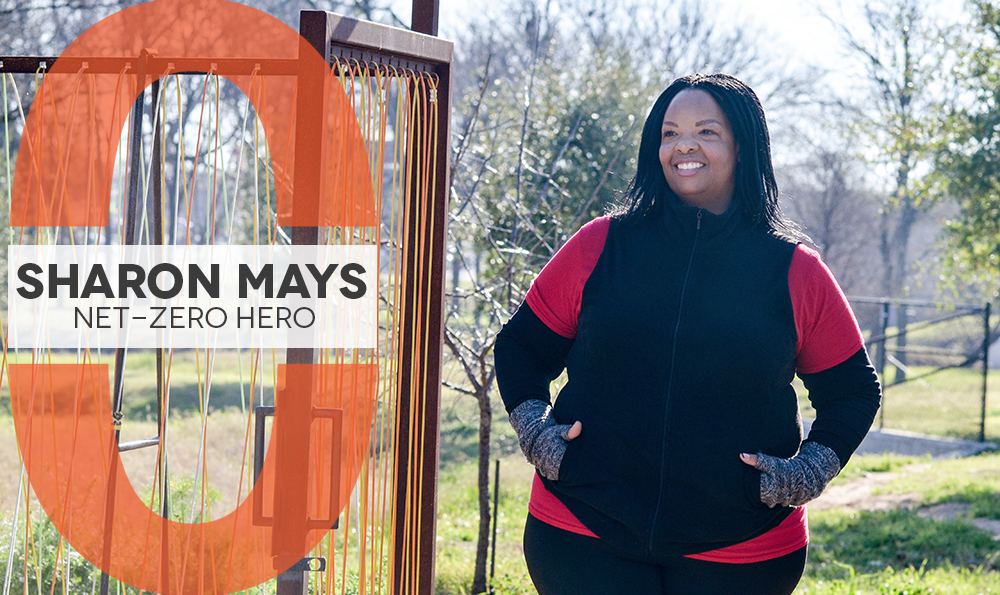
846, 398
528, 355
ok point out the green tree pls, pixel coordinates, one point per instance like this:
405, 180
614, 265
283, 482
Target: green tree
968, 160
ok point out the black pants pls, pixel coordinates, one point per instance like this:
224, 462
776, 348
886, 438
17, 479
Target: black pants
561, 562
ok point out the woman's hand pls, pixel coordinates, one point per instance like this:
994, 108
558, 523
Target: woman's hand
794, 481
542, 440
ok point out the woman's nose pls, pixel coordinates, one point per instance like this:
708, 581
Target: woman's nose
686, 146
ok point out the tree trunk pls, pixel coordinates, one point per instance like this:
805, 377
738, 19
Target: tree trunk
483, 541
895, 243
894, 247
907, 219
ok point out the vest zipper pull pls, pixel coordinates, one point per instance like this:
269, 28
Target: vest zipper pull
700, 211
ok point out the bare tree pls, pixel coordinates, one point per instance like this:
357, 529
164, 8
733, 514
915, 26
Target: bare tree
828, 196
902, 57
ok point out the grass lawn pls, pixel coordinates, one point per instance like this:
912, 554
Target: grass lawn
188, 371
458, 523
974, 481
863, 465
889, 552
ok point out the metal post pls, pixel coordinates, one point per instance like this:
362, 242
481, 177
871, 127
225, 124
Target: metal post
156, 226
986, 369
131, 209
496, 516
425, 17
883, 323
902, 319
290, 506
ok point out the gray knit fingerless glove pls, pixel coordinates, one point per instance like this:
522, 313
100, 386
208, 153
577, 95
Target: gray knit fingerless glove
795, 481
542, 440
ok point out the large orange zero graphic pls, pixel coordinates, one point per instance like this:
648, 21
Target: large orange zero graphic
62, 411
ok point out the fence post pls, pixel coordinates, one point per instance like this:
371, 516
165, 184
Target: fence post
883, 323
902, 319
986, 369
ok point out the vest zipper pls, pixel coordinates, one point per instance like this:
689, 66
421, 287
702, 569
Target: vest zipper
670, 383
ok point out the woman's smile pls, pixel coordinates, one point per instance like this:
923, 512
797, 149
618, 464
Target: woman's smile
689, 168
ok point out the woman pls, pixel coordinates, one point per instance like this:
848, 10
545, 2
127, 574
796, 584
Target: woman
673, 460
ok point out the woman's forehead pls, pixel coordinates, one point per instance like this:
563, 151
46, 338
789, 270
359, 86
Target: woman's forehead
694, 105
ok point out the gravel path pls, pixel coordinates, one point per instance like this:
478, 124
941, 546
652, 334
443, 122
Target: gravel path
913, 444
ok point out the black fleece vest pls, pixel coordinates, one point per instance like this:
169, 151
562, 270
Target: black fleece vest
683, 359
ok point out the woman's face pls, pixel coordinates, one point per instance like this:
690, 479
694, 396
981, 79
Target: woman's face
698, 151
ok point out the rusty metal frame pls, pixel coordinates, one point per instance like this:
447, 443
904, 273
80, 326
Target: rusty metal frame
337, 37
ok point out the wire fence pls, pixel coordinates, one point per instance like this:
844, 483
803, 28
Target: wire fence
932, 359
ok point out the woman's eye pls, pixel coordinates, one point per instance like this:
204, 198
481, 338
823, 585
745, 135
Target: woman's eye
708, 131
669, 133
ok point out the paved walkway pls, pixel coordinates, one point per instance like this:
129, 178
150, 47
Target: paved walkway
913, 444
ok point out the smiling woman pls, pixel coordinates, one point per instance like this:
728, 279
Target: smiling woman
673, 460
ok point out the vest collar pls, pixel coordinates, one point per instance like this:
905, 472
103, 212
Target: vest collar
682, 221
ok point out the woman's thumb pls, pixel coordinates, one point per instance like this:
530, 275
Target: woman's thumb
574, 431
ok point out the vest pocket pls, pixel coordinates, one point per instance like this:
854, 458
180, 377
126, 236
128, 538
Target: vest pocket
751, 486
568, 465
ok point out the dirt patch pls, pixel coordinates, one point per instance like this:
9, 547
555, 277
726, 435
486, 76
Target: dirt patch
989, 525
857, 495
948, 511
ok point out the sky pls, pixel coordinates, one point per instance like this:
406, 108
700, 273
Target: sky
808, 37
812, 38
